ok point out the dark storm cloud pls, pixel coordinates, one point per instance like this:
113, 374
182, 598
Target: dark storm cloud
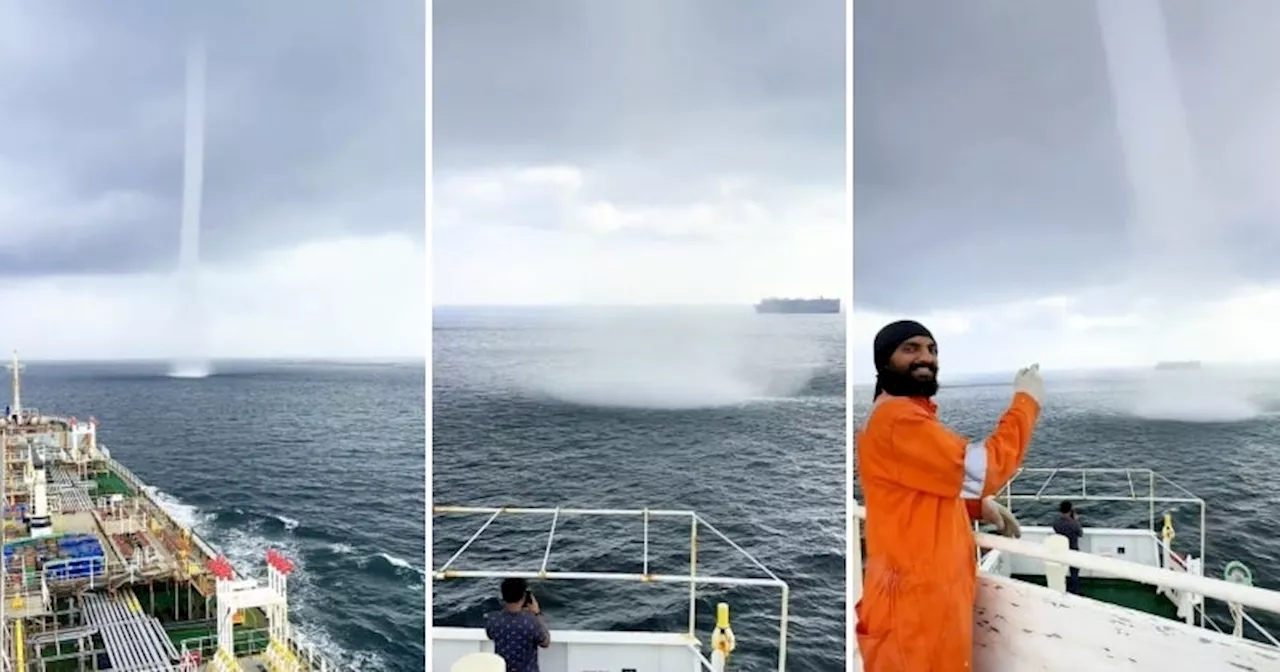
654, 97
314, 127
988, 165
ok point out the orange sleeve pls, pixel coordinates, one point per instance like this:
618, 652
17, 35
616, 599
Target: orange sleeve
1005, 449
931, 458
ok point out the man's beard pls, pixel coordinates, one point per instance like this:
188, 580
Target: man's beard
904, 384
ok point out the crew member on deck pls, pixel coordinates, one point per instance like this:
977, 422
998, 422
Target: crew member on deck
924, 485
518, 630
1069, 526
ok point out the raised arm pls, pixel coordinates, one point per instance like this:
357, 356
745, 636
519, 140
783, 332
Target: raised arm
929, 457
541, 634
1002, 453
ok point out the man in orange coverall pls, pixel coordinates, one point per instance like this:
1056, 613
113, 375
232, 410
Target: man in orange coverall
923, 485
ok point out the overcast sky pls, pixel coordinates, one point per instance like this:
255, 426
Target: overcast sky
1011, 199
639, 151
313, 236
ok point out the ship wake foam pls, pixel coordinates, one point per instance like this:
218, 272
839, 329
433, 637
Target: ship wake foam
184, 514
398, 566
245, 547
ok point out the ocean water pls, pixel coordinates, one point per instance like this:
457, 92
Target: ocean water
737, 416
322, 461
1214, 432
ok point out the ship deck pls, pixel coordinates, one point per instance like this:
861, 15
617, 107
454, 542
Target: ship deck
97, 575
1120, 592
140, 604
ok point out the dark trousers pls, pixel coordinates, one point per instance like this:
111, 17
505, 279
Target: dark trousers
1073, 581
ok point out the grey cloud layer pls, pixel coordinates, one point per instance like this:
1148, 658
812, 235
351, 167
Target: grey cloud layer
987, 161
654, 97
314, 127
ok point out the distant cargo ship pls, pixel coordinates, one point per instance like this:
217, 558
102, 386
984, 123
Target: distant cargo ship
819, 305
1174, 366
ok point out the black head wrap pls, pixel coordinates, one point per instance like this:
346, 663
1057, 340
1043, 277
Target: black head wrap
888, 340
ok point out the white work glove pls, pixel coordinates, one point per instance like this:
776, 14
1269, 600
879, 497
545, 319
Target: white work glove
1005, 522
1028, 380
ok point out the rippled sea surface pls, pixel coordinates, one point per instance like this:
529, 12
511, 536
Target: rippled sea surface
737, 416
1214, 432
324, 462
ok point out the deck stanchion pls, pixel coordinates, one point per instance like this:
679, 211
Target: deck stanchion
693, 574
645, 568
785, 615
1151, 499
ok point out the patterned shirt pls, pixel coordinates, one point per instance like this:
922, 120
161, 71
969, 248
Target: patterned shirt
516, 637
1071, 529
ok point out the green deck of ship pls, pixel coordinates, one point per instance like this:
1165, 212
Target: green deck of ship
1129, 594
111, 484
254, 620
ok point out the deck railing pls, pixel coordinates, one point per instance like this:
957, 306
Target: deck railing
1177, 564
1142, 487
1079, 478
693, 578
247, 643
1217, 589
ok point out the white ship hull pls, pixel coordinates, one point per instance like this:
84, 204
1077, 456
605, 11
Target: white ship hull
575, 650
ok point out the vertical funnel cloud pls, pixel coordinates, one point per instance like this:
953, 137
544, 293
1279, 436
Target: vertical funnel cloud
1170, 218
191, 356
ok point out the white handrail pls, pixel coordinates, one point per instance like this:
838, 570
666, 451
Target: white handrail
568, 511
1217, 589
606, 576
693, 578
1154, 478
1155, 576
1204, 614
